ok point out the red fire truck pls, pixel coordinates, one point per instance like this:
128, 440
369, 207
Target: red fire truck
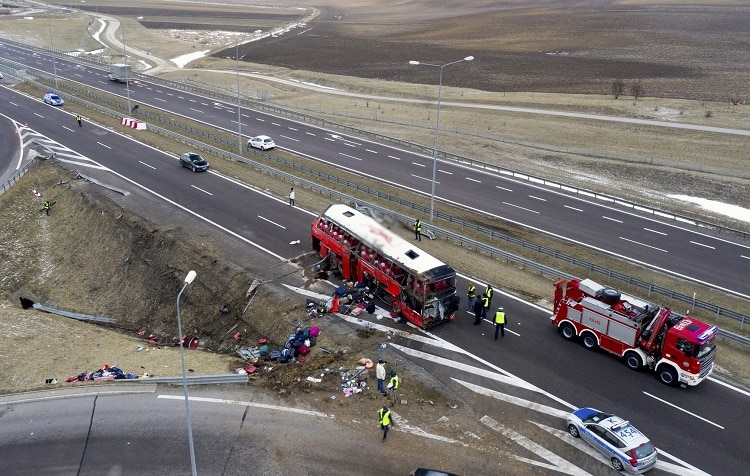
677, 347
417, 286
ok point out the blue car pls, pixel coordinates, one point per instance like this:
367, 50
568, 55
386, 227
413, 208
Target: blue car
53, 99
627, 448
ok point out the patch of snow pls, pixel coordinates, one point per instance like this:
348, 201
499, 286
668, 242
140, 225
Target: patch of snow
181, 61
732, 211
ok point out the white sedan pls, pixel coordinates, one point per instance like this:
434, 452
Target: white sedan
261, 142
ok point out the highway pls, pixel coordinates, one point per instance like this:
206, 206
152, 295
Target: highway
691, 425
712, 260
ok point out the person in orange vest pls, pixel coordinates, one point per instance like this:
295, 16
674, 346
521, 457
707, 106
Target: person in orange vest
499, 322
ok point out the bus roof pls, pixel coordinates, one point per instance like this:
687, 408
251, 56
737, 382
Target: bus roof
389, 244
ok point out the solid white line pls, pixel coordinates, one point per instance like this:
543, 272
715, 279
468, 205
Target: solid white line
271, 222
611, 219
573, 208
730, 387
701, 244
200, 189
655, 231
642, 244
683, 410
522, 208
248, 404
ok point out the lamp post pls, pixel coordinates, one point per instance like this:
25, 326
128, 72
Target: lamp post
52, 47
437, 125
239, 101
188, 279
127, 80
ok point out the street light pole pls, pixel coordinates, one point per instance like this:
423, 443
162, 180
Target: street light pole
125, 60
239, 102
437, 125
188, 279
52, 48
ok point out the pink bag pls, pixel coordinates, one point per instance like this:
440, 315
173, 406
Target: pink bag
314, 331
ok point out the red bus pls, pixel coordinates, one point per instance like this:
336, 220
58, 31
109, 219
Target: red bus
420, 287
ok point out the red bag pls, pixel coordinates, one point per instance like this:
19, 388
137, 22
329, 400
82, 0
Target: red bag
303, 350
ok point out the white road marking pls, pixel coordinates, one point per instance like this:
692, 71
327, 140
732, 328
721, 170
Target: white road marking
371, 151
503, 188
473, 180
490, 374
537, 407
271, 222
147, 165
573, 208
655, 231
683, 410
350, 156
643, 244
611, 219
423, 178
248, 404
104, 145
200, 189
538, 198
522, 208
418, 164
701, 244
394, 158
558, 464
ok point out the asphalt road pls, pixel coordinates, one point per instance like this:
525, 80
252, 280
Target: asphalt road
715, 261
693, 425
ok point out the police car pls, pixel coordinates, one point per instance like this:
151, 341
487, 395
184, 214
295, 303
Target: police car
627, 448
53, 99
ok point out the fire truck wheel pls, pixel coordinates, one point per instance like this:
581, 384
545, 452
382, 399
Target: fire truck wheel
567, 331
589, 341
633, 360
573, 430
617, 464
666, 375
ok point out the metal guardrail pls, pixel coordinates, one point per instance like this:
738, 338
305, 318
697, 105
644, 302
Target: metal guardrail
75, 315
492, 234
191, 379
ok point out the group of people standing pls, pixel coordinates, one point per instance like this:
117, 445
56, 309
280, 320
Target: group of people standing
384, 414
481, 306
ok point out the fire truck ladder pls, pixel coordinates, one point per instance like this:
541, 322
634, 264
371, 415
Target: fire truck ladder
655, 327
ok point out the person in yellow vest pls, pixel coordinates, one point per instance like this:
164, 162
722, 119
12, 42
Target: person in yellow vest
485, 306
499, 322
418, 230
488, 292
393, 384
384, 415
471, 295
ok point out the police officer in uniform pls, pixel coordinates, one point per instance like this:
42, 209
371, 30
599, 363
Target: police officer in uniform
499, 322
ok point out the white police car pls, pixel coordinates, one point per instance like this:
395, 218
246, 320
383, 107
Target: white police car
53, 99
627, 449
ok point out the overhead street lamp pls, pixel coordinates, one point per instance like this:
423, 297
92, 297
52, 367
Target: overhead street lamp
188, 279
437, 124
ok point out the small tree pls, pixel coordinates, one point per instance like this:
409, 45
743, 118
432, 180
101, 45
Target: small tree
618, 87
637, 90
